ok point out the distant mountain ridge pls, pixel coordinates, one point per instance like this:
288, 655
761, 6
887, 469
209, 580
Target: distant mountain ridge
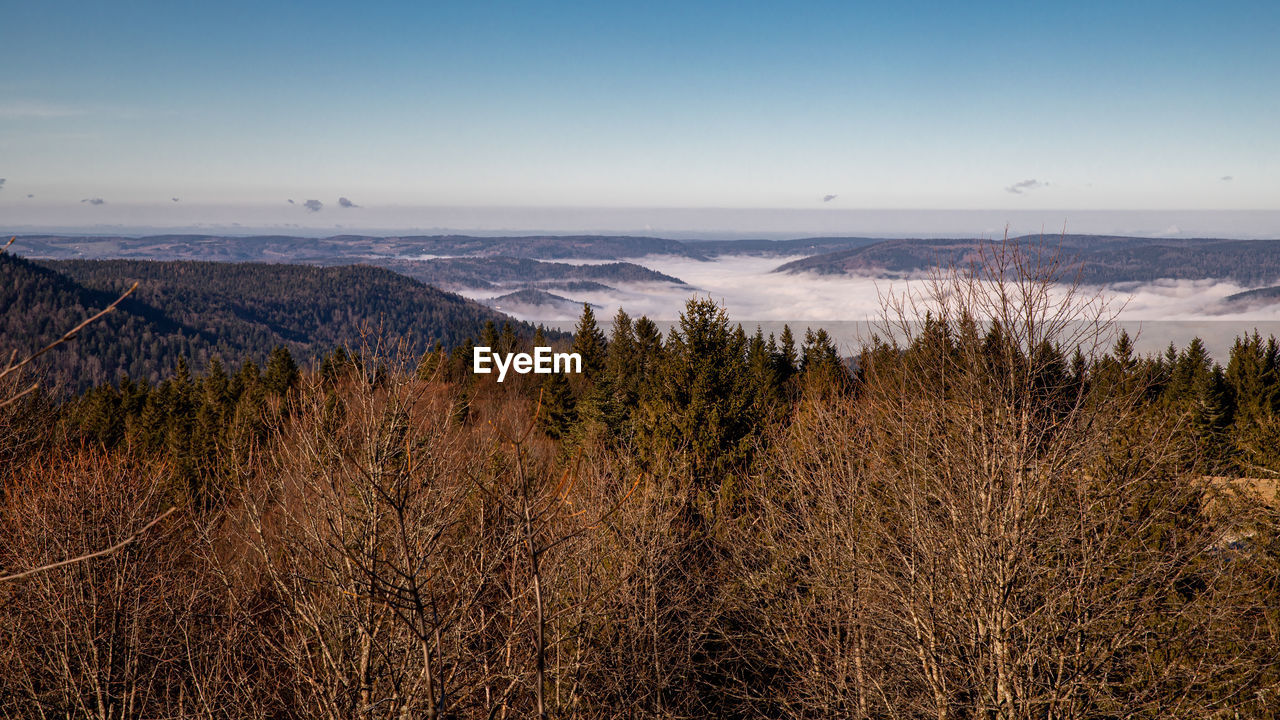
340, 249
501, 271
1259, 297
505, 264
1101, 258
530, 299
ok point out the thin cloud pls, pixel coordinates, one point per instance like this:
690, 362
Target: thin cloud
1019, 188
313, 205
94, 201
343, 202
37, 109
829, 198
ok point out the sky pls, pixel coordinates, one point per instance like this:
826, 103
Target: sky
496, 115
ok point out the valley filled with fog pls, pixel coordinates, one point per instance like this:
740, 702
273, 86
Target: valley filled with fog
1156, 313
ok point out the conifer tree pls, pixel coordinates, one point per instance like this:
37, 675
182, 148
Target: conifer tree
282, 371
764, 371
1197, 390
589, 342
819, 354
1253, 379
216, 385
508, 341
622, 363
706, 402
649, 350
557, 414
608, 402
786, 359
489, 336
1251, 375
431, 362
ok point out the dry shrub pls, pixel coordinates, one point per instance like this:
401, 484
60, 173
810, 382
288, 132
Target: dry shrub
106, 637
979, 533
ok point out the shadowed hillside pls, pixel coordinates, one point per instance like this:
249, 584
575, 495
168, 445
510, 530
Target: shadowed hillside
1105, 259
198, 310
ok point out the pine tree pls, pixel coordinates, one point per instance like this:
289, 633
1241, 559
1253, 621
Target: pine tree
1198, 391
764, 371
819, 355
489, 336
508, 341
1252, 380
334, 365
786, 359
557, 414
705, 406
1251, 376
216, 386
431, 362
282, 372
589, 342
622, 363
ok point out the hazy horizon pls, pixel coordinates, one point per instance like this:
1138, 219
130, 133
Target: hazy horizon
676, 223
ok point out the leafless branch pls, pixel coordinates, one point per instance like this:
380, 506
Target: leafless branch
90, 556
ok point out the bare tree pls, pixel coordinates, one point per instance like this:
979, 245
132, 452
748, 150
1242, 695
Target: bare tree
980, 533
359, 522
93, 636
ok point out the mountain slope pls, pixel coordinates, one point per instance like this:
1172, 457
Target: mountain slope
341, 249
1101, 259
198, 310
502, 271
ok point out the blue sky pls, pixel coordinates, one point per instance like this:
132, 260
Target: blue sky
1102, 106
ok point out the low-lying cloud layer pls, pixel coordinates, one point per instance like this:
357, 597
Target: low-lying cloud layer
1159, 312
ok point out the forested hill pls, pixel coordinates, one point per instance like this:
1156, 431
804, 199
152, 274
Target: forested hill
198, 310
342, 248
1102, 259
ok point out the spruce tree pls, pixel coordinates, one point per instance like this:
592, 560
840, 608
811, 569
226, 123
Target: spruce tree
705, 406
786, 359
489, 336
557, 413
819, 355
622, 363
508, 341
589, 342
431, 362
764, 371
281, 373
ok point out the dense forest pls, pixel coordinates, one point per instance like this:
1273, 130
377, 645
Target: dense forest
997, 511
1101, 259
494, 272
199, 311
341, 248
